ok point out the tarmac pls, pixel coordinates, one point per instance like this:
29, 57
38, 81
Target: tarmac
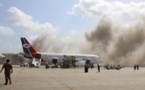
24, 78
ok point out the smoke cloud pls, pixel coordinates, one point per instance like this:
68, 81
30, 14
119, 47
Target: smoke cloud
116, 44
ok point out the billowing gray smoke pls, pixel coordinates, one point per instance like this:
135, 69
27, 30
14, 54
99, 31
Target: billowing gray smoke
115, 44
58, 44
100, 37
118, 44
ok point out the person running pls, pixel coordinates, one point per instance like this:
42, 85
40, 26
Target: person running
8, 70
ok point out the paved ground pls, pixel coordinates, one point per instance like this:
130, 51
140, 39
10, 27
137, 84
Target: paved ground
74, 79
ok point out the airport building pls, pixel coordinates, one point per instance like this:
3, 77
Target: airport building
15, 58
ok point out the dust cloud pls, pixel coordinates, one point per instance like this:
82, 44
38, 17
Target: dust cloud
116, 44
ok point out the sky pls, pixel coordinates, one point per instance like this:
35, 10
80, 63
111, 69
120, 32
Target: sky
32, 18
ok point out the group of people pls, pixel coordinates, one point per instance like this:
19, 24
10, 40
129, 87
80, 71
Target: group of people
86, 68
9, 69
136, 67
108, 67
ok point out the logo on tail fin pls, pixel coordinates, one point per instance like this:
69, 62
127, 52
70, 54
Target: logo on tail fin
26, 45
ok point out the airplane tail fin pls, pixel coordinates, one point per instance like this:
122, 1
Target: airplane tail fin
29, 51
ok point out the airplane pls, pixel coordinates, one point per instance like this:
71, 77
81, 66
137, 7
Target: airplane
57, 58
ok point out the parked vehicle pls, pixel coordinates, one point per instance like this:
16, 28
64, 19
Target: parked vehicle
24, 64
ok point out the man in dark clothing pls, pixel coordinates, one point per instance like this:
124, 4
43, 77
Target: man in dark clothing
137, 67
134, 67
8, 70
98, 67
86, 68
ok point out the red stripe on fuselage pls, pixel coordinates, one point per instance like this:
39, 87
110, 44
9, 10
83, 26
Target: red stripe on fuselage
38, 55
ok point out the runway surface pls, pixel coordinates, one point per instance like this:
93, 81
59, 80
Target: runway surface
24, 78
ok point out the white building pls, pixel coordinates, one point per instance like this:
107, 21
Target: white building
15, 58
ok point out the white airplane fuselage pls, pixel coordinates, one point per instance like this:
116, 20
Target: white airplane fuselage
78, 59
48, 57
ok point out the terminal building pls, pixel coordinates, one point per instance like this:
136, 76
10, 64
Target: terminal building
15, 58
